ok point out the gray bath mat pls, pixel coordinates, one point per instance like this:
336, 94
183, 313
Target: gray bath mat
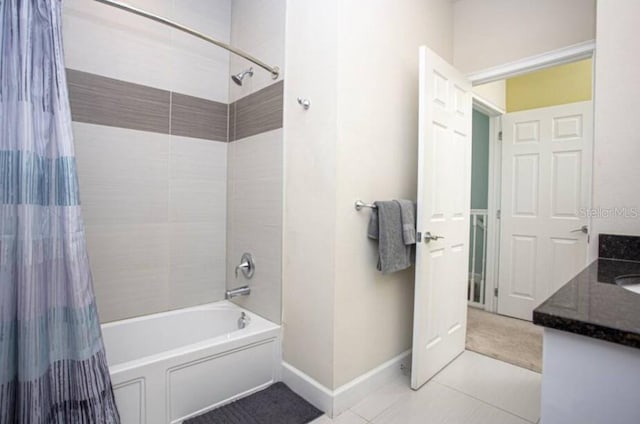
274, 405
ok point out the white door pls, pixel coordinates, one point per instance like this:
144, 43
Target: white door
546, 180
444, 184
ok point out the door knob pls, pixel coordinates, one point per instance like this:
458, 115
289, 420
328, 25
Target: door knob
428, 237
583, 229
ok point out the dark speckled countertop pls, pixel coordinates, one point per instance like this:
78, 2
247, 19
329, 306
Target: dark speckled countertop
593, 305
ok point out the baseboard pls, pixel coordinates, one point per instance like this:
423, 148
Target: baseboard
334, 402
349, 394
310, 390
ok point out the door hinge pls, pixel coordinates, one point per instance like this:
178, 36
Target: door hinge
499, 135
498, 214
495, 292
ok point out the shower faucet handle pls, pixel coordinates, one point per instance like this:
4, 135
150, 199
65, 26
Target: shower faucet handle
247, 265
243, 266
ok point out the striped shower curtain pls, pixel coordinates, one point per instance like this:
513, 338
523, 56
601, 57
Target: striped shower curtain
52, 362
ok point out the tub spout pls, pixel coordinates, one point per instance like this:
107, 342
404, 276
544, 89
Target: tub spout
240, 291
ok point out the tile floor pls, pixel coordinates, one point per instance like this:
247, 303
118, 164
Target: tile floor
473, 389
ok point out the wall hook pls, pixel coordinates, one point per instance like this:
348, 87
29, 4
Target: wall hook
305, 103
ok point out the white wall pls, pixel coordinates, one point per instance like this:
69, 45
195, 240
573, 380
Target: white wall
154, 204
494, 92
617, 132
359, 67
493, 32
310, 188
376, 160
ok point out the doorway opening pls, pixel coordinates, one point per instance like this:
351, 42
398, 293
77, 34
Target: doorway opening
480, 143
531, 182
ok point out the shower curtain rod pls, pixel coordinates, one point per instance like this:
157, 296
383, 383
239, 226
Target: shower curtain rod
274, 70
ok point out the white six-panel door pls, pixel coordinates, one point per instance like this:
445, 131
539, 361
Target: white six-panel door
546, 177
444, 172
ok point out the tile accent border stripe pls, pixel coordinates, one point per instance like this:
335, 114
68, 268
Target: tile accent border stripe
106, 101
199, 118
256, 113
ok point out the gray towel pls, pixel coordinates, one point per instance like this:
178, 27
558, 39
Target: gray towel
373, 230
408, 213
393, 254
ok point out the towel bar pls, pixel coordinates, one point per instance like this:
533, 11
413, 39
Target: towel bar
360, 204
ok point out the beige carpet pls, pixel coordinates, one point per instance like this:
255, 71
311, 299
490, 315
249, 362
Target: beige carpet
507, 339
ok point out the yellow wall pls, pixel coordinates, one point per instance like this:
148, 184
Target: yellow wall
554, 86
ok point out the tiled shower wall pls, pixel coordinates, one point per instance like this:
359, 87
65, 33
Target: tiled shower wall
255, 186
152, 165
151, 124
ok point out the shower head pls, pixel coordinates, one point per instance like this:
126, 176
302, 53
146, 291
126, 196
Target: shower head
237, 78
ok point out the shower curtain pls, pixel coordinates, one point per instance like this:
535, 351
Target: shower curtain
52, 362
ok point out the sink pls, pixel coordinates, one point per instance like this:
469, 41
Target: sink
629, 282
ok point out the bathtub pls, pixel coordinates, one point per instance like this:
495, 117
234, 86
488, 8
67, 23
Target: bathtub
170, 366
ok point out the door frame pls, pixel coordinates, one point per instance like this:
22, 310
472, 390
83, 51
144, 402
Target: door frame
572, 53
494, 113
526, 65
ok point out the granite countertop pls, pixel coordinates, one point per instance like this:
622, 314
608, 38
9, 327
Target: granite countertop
593, 305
